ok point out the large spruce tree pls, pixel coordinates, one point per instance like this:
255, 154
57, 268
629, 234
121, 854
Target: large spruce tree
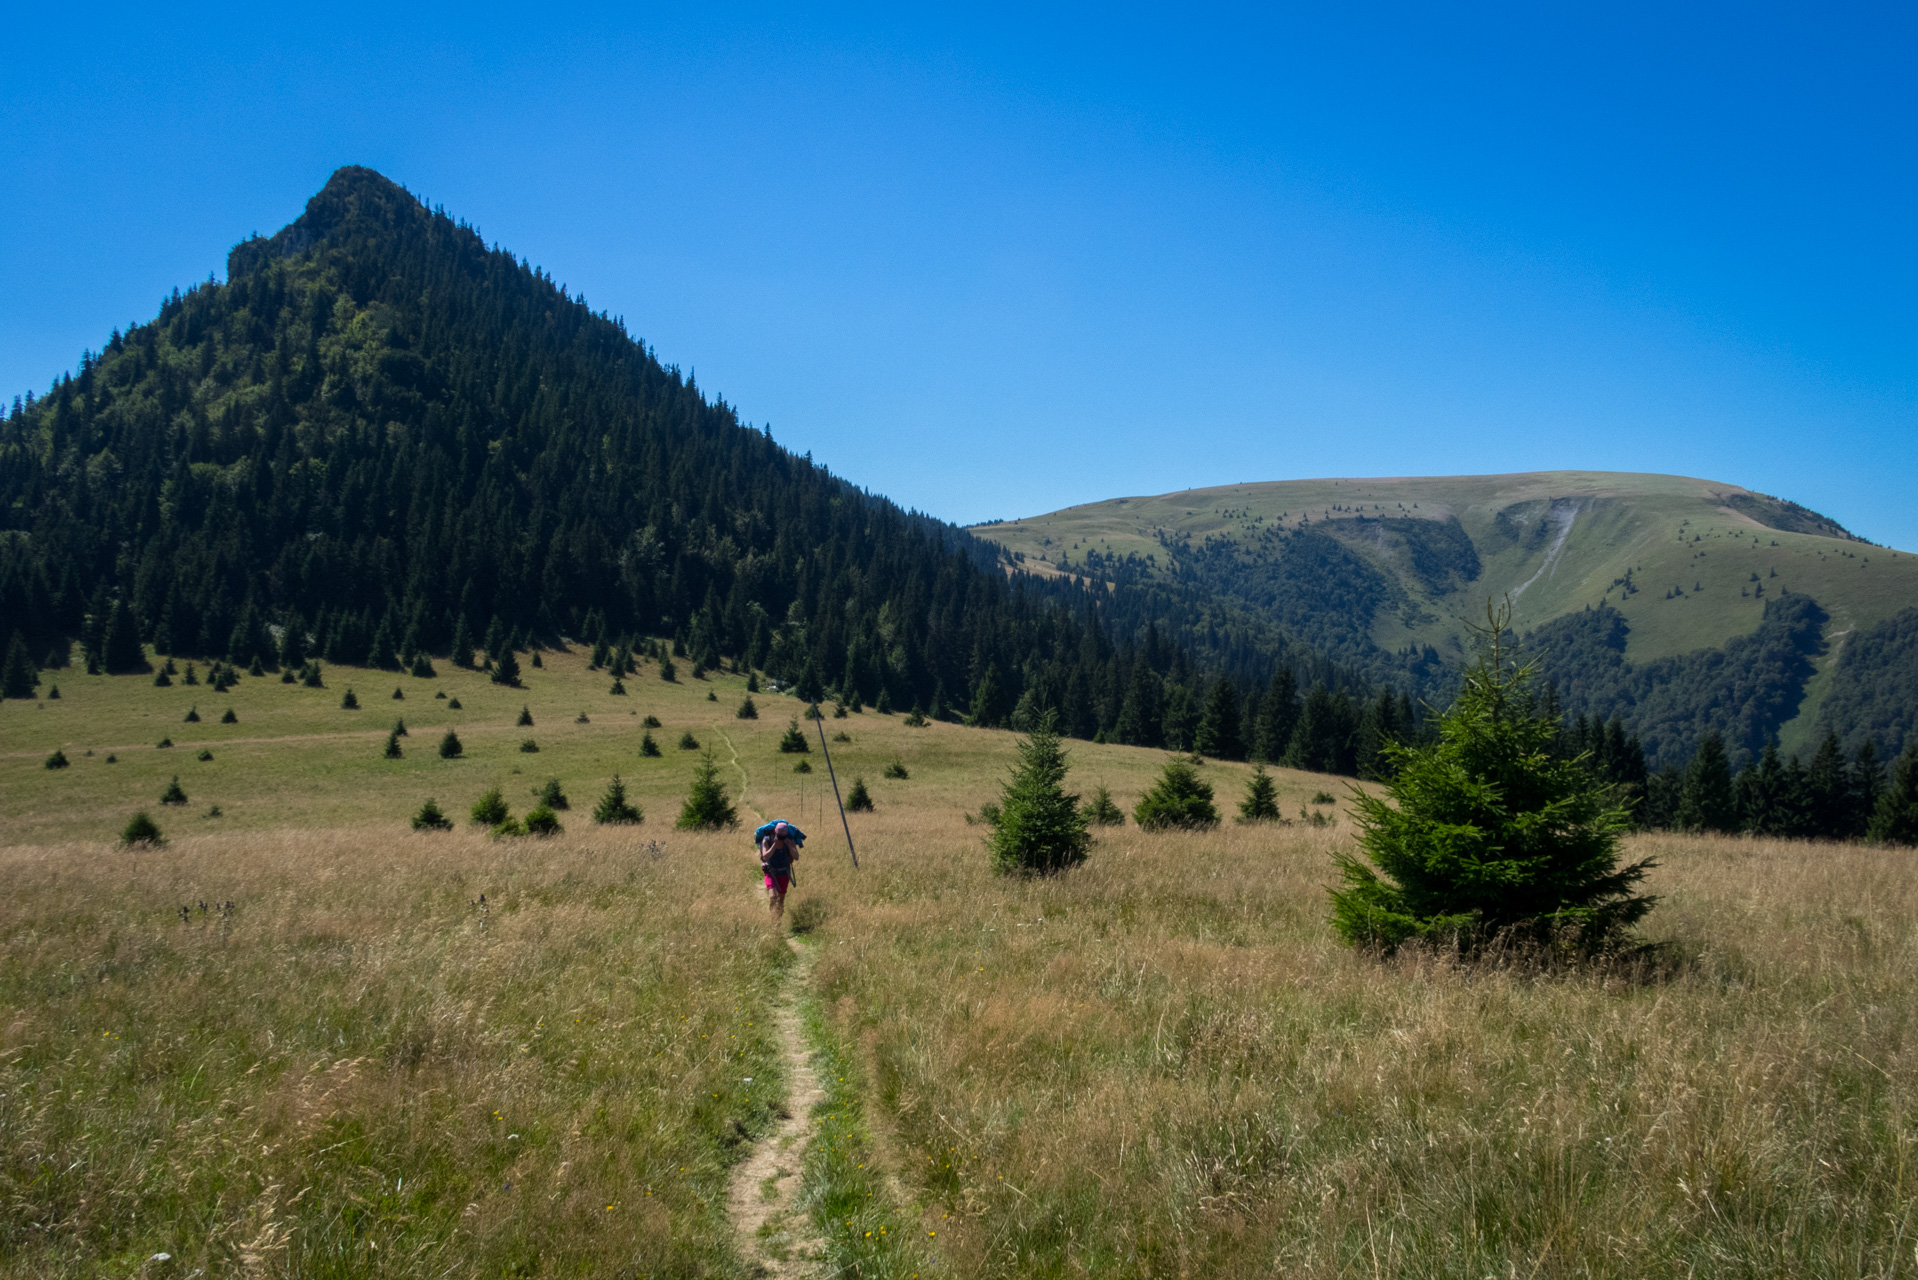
1490, 835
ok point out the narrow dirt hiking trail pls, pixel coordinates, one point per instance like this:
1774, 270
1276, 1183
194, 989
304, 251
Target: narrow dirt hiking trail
776, 1237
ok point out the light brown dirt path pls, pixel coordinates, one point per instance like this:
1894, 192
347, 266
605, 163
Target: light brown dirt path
776, 1237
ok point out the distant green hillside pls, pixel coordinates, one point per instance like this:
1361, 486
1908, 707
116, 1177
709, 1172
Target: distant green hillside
1648, 594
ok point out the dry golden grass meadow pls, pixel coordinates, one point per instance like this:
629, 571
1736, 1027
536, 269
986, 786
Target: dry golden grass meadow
1159, 1064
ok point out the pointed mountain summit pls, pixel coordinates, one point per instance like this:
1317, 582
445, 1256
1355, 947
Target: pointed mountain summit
387, 435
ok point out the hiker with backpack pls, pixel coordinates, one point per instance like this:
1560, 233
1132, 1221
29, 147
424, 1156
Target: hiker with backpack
779, 844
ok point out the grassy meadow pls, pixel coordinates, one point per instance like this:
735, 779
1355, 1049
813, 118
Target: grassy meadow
1158, 1064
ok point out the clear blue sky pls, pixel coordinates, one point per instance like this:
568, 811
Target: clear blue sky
993, 263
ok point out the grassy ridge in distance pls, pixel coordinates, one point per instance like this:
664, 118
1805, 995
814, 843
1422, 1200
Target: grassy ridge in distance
1703, 537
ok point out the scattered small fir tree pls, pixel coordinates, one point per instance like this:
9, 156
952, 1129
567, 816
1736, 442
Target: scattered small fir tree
112, 759
525, 720
687, 742
506, 828
440, 696
699, 669
1037, 828
1324, 797
884, 703
752, 682
255, 668
897, 769
619, 688
581, 718
422, 667
527, 746
450, 748
215, 812
490, 809
839, 711
553, 796
1179, 799
462, 654
804, 766
747, 710
1491, 835
430, 818
161, 680
399, 728
1261, 803
651, 722
614, 809
859, 800
141, 829
170, 668
506, 669
205, 755
53, 693
174, 793
348, 702
164, 743
313, 679
712, 695
192, 715
1101, 811
541, 820
541, 665
289, 676
648, 747
192, 676
228, 717
793, 742
393, 751
58, 760
842, 736
667, 671
707, 807
454, 705
399, 694
916, 719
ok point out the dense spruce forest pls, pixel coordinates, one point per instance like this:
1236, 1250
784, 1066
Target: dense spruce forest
380, 442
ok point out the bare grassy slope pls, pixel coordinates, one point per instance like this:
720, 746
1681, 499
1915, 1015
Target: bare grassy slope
1654, 525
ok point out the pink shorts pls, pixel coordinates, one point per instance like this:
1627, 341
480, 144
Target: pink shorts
777, 883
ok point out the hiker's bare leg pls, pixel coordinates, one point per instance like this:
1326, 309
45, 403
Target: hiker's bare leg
778, 906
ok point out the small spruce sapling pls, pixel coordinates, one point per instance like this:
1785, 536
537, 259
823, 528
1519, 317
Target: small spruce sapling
1179, 799
192, 715
897, 769
525, 720
752, 682
141, 830
490, 809
399, 694
1037, 827
859, 800
348, 702
648, 747
174, 793
58, 760
393, 751
687, 742
794, 740
528, 746
430, 818
650, 722
542, 821
228, 717
614, 808
450, 748
707, 807
1101, 811
1261, 803
506, 669
747, 710
667, 671
553, 796
619, 688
